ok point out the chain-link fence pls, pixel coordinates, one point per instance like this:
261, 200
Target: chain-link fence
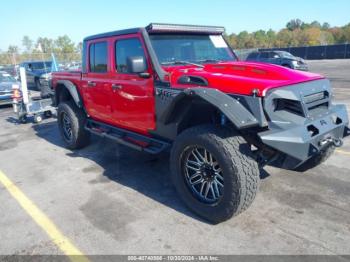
243, 53
65, 61
318, 52
307, 52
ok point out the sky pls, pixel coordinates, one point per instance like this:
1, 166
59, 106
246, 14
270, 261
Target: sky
79, 18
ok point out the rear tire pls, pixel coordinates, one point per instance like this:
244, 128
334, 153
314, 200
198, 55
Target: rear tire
71, 122
232, 155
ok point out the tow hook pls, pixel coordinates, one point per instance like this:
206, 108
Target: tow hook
335, 141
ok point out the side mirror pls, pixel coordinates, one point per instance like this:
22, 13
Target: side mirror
136, 64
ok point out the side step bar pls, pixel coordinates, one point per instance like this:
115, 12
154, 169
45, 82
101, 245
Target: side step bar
127, 138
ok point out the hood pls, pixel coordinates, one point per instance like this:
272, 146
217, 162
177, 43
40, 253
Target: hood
295, 58
237, 77
46, 75
41, 71
7, 86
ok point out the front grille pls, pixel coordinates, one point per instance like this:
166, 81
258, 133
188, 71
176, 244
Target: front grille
307, 100
317, 103
315, 97
288, 105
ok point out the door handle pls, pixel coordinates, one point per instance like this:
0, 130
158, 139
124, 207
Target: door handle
91, 84
116, 86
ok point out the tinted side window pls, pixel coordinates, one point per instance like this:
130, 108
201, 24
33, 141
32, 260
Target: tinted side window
98, 57
264, 55
127, 48
253, 55
274, 55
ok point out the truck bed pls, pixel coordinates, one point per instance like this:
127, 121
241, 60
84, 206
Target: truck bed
74, 76
67, 75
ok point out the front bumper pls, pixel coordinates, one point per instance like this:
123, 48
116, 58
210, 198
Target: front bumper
46, 82
301, 67
301, 142
46, 86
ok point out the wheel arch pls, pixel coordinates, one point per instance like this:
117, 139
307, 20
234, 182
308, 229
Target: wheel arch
197, 103
66, 90
289, 65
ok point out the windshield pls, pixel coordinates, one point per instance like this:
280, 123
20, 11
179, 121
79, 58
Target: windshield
41, 65
4, 77
286, 54
185, 49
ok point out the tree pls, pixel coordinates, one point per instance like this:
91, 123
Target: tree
27, 43
338, 35
260, 38
65, 47
346, 33
79, 47
44, 45
294, 24
284, 38
312, 36
242, 38
13, 49
326, 38
326, 26
315, 24
271, 38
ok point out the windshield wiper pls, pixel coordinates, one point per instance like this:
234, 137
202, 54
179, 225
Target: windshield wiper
179, 62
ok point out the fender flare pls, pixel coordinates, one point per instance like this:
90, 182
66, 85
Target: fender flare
72, 89
229, 106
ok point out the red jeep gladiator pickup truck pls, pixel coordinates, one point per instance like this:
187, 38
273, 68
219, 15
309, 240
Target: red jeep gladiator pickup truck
181, 88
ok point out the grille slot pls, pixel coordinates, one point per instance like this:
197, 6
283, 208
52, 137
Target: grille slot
315, 97
317, 103
288, 105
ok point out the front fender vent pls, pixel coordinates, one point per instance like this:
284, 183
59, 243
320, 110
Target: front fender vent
192, 80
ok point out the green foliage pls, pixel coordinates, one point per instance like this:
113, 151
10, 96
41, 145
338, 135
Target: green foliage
63, 48
27, 43
296, 33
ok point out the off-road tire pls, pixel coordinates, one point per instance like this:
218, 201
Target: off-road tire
80, 137
240, 171
316, 160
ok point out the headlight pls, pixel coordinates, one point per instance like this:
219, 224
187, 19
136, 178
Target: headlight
295, 63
